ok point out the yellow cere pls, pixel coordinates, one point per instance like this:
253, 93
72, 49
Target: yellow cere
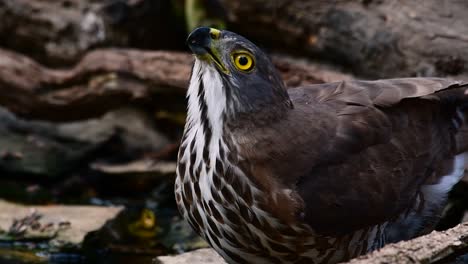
243, 61
214, 33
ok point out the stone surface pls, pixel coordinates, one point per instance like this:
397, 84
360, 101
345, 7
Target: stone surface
135, 128
373, 39
81, 219
201, 256
108, 79
38, 148
50, 150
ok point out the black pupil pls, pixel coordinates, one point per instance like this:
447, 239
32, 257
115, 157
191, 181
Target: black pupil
243, 60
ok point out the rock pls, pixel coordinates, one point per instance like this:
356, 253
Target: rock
101, 81
59, 32
135, 128
373, 39
201, 256
50, 150
38, 148
108, 79
180, 237
144, 166
78, 226
10, 256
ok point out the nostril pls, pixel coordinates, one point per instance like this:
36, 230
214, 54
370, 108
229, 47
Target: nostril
213, 35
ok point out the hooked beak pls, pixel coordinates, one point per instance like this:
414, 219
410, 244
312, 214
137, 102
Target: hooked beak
203, 42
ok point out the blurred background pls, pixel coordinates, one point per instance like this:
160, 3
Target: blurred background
92, 105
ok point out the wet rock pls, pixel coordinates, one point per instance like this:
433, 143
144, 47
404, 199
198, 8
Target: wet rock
10, 256
201, 256
180, 236
77, 226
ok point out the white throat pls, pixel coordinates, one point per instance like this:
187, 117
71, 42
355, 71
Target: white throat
206, 77
206, 106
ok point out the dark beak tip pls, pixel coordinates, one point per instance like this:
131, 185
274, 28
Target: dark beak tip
196, 33
199, 39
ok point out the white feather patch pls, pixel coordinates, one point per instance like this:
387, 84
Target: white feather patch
437, 193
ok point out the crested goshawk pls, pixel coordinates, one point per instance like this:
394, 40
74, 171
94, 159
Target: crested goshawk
314, 174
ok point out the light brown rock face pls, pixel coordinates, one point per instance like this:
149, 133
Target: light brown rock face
81, 219
201, 256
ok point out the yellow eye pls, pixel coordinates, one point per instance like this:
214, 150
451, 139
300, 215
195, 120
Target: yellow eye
243, 61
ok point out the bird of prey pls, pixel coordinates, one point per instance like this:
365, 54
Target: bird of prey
314, 174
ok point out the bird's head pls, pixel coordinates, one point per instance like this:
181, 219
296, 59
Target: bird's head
243, 73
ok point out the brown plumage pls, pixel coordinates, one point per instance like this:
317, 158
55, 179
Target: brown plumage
356, 145
317, 174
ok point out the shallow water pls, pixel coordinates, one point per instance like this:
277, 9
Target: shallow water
148, 227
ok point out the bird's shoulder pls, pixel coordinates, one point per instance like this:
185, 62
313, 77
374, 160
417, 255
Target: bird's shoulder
383, 93
350, 116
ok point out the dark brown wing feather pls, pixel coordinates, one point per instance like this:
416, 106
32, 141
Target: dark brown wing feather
391, 137
355, 153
